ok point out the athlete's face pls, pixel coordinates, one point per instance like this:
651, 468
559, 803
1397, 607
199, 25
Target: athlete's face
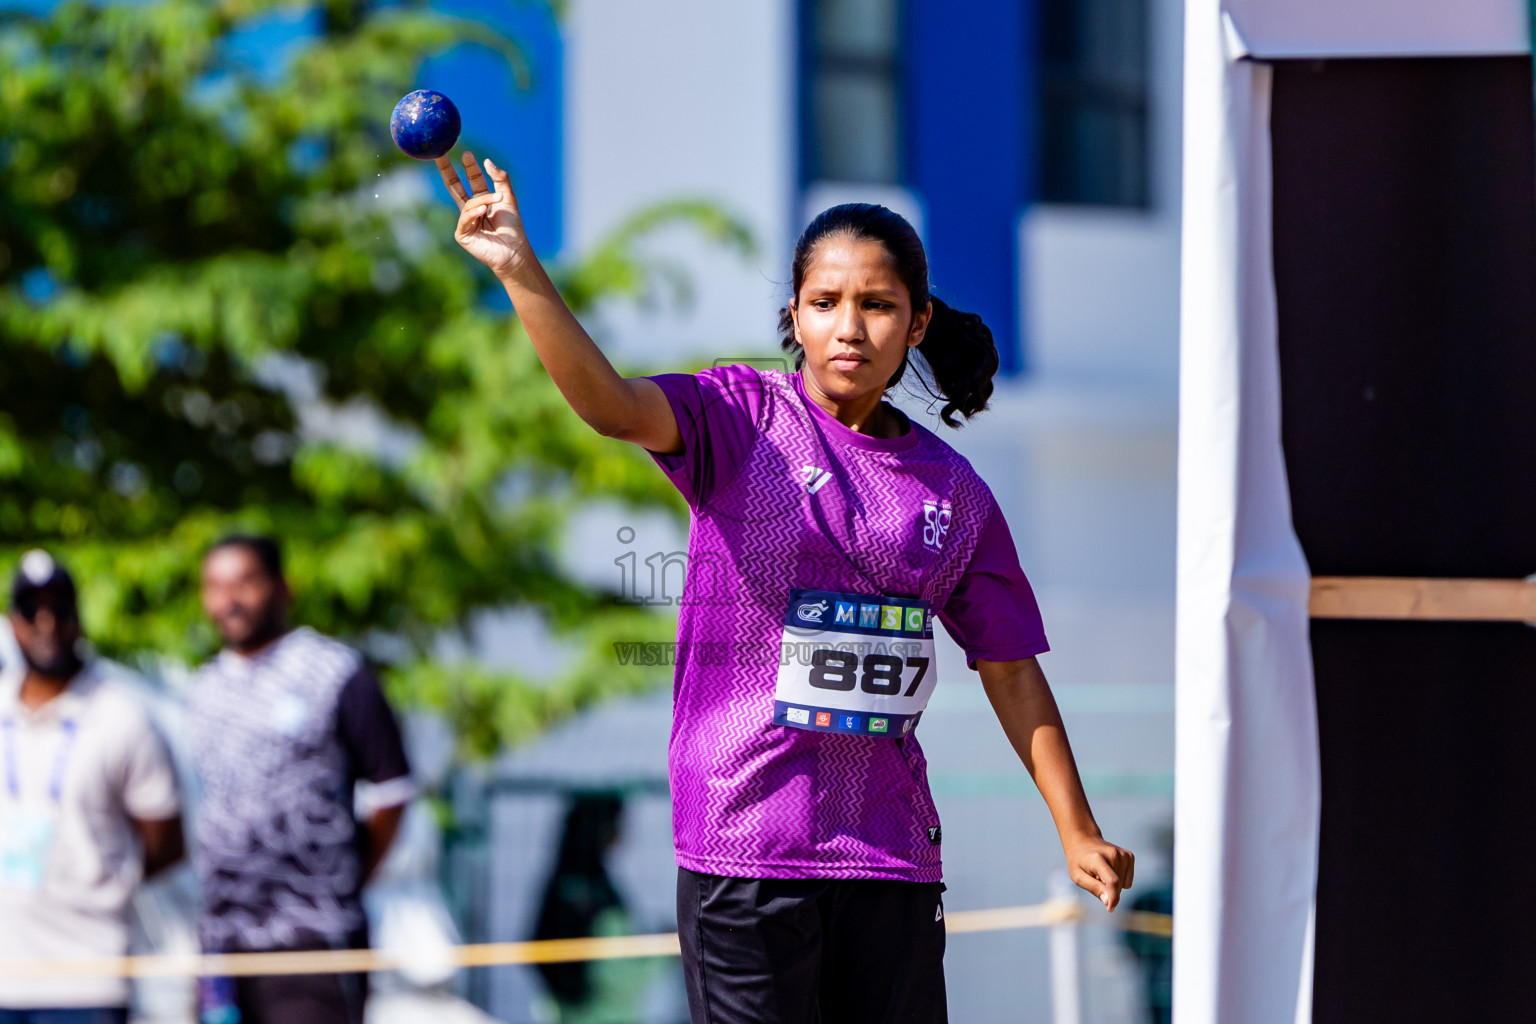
854, 317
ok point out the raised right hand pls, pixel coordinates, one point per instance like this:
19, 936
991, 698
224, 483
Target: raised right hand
492, 231
490, 228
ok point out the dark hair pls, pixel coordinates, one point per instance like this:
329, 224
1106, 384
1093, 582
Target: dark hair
958, 347
266, 549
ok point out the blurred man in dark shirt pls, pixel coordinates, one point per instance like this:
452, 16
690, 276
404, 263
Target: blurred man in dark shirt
285, 722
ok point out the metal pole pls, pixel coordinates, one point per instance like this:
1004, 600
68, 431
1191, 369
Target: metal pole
1066, 959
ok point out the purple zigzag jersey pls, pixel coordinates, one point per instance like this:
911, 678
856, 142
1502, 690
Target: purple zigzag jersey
782, 495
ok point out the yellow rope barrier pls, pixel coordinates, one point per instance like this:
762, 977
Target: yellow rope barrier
496, 954
1041, 915
1148, 923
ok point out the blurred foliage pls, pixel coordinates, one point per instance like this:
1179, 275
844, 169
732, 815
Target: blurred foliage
228, 302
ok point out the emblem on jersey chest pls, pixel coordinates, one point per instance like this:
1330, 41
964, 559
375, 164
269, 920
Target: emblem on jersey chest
815, 478
936, 517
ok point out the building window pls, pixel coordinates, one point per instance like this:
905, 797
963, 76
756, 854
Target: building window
851, 93
1094, 69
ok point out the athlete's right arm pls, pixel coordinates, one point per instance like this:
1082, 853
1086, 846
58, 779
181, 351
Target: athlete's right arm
491, 230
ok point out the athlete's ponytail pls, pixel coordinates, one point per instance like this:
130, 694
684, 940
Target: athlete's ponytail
957, 346
961, 358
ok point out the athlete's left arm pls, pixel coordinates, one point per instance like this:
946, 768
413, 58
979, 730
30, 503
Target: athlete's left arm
1022, 700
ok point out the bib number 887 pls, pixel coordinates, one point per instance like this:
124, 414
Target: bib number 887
879, 674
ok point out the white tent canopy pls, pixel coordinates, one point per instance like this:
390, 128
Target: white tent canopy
1276, 29
1247, 750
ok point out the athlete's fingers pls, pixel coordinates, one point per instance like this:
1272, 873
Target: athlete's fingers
451, 179
1096, 866
502, 183
473, 212
1123, 863
1100, 867
481, 201
477, 183
472, 218
1088, 883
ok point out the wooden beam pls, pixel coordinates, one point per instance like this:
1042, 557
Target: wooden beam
1433, 600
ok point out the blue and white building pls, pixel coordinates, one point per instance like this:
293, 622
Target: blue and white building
1035, 144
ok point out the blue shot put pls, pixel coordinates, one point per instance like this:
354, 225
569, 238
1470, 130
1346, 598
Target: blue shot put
425, 124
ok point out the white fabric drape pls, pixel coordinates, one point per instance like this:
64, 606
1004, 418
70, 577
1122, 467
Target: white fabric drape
1246, 807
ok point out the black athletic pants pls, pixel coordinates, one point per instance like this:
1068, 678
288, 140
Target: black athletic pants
811, 951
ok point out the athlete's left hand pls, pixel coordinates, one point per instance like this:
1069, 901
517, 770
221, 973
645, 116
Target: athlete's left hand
1101, 868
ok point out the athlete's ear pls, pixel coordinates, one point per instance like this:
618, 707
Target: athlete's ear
920, 325
794, 316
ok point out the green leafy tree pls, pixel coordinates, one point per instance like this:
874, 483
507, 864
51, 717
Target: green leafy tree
196, 278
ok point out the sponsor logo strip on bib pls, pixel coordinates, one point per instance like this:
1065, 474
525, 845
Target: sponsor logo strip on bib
854, 663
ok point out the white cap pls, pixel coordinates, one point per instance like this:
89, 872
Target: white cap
38, 567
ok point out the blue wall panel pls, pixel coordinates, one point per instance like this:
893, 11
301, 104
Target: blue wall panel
520, 128
970, 150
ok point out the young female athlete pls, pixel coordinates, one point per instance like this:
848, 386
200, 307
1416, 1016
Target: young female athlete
827, 533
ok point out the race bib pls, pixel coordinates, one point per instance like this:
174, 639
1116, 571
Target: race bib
854, 663
26, 840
